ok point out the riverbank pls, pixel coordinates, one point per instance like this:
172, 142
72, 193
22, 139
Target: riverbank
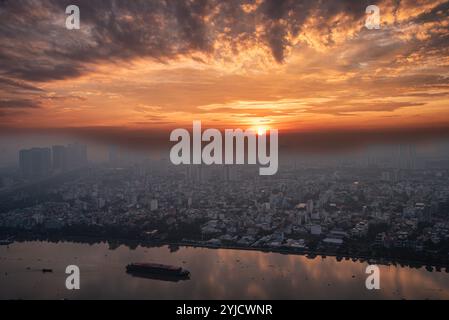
339, 256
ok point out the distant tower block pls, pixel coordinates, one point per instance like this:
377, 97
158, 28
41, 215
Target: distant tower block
154, 205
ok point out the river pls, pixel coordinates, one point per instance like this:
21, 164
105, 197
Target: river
215, 274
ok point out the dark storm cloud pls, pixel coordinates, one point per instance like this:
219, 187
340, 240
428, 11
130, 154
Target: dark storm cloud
18, 85
159, 29
31, 72
18, 104
37, 47
283, 17
440, 11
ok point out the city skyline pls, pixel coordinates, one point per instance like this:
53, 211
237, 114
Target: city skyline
41, 162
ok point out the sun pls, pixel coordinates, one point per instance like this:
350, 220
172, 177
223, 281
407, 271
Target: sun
261, 130
260, 126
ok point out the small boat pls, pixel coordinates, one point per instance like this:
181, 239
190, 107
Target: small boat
47, 270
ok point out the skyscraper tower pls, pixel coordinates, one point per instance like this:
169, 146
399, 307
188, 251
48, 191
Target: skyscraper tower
35, 163
407, 157
59, 158
76, 156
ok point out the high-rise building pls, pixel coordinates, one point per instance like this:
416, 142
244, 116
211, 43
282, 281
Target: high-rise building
230, 173
59, 158
25, 162
407, 157
114, 155
309, 206
194, 173
154, 205
76, 156
386, 176
35, 162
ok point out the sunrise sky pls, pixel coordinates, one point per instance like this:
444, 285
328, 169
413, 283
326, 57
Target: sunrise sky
291, 65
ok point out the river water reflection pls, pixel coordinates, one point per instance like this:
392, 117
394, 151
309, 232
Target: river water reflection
215, 274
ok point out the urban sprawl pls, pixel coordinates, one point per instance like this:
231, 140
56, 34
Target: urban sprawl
394, 209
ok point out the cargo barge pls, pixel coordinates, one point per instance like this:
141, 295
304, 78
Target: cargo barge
157, 271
